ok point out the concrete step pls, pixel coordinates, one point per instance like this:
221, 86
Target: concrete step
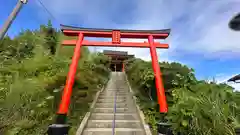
118, 124
120, 105
119, 88
111, 100
111, 97
114, 88
118, 131
110, 116
113, 94
115, 91
111, 110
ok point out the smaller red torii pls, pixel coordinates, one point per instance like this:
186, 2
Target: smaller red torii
116, 36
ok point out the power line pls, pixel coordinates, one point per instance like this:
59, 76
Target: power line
48, 11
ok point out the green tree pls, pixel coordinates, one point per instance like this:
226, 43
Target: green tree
51, 38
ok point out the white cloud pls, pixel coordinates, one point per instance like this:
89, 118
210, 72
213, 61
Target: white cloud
199, 26
204, 24
218, 37
235, 85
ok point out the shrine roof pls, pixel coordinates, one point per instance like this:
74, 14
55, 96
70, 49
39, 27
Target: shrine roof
115, 52
119, 53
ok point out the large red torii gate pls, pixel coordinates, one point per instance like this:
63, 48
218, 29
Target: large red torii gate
116, 36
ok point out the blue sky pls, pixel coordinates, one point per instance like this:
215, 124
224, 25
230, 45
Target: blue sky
200, 37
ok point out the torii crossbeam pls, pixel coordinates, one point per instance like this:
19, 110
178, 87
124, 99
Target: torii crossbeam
116, 36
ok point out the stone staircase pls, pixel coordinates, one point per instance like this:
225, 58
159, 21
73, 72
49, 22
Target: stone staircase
114, 112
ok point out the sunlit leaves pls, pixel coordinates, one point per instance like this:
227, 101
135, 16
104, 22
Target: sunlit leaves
195, 107
205, 109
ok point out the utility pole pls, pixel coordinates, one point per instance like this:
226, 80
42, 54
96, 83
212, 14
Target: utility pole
11, 17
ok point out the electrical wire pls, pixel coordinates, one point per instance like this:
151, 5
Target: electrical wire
48, 11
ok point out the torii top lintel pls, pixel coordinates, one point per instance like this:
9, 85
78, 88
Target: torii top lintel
107, 33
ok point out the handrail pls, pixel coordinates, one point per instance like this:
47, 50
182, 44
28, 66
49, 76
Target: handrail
145, 126
88, 114
114, 112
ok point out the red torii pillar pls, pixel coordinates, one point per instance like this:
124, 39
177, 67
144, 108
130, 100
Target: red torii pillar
116, 36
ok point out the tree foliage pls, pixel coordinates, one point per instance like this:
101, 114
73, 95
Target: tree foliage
32, 78
195, 107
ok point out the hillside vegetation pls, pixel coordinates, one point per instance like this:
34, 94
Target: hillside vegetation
33, 70
195, 107
33, 73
